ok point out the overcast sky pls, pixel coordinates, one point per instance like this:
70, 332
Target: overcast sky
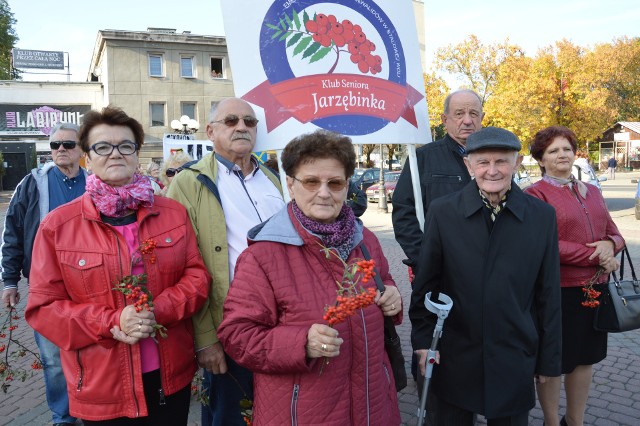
72, 25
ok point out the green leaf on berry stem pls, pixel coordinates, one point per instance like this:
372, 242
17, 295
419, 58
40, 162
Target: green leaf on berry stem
305, 17
283, 25
276, 34
286, 17
296, 19
311, 49
285, 35
293, 40
302, 45
273, 27
320, 54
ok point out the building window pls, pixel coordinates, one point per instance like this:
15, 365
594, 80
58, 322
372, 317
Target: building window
186, 67
217, 68
157, 113
188, 109
156, 66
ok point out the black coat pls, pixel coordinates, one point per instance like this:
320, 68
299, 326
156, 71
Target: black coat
442, 171
505, 324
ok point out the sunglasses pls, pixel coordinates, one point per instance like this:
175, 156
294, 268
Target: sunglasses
173, 172
313, 184
66, 144
232, 120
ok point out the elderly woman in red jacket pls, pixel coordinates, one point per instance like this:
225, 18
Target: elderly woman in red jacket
588, 241
127, 360
306, 371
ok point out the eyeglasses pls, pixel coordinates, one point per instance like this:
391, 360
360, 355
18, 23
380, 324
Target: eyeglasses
173, 172
66, 144
313, 184
232, 120
105, 148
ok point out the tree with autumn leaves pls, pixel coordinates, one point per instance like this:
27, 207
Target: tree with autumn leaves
585, 89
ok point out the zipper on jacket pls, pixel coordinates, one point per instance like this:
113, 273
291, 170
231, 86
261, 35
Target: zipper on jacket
584, 208
81, 371
294, 405
162, 400
130, 350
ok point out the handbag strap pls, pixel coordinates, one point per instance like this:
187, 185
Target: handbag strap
625, 253
389, 327
376, 277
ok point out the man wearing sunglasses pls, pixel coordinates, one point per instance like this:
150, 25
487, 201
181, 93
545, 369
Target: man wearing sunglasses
226, 194
37, 194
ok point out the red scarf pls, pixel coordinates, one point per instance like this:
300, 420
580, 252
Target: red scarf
120, 200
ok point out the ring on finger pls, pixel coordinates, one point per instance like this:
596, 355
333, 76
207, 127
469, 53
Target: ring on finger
139, 327
393, 306
140, 322
323, 347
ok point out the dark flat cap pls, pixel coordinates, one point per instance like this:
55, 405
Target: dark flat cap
492, 137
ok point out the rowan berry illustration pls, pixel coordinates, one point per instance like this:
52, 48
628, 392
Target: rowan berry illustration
316, 37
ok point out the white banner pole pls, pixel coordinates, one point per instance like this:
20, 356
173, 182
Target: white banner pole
415, 180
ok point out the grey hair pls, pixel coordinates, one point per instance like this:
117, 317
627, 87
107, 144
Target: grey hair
447, 100
64, 126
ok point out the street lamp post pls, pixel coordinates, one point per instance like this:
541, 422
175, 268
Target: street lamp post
185, 125
382, 197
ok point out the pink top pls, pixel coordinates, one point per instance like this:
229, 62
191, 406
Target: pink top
148, 347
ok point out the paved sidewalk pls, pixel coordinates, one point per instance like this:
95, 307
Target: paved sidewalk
614, 397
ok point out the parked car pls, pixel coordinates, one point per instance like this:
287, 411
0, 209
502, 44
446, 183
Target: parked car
390, 181
638, 201
584, 172
395, 165
364, 178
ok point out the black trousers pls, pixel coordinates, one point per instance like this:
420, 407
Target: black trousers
441, 413
174, 411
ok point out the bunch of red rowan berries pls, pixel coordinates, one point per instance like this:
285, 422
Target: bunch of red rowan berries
349, 300
591, 294
326, 30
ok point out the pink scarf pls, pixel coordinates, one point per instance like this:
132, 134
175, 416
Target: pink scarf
118, 201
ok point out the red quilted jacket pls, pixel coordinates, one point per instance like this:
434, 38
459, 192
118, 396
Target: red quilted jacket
71, 303
278, 292
580, 221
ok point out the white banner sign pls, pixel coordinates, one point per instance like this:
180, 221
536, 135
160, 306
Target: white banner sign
349, 66
173, 142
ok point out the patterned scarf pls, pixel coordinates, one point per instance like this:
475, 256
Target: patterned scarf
118, 201
497, 209
338, 235
572, 183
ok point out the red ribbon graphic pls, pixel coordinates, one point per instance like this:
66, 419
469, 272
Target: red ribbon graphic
324, 95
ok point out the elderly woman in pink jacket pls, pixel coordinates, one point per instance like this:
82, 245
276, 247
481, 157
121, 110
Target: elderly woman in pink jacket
306, 371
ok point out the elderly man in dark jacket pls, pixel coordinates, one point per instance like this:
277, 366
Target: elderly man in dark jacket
494, 251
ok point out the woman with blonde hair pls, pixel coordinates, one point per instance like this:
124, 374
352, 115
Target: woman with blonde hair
172, 167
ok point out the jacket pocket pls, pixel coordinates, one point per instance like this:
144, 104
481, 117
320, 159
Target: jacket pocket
171, 250
84, 274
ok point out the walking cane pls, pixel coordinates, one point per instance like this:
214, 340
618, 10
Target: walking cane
441, 309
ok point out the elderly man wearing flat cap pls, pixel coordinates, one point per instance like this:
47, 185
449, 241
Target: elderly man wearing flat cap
494, 251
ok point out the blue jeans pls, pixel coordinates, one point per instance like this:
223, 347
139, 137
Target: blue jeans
225, 395
54, 381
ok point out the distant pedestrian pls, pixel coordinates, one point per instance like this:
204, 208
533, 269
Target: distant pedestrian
612, 164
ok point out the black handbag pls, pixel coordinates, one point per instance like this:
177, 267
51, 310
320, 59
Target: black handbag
619, 308
392, 344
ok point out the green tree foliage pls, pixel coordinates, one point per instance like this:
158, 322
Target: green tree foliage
8, 40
